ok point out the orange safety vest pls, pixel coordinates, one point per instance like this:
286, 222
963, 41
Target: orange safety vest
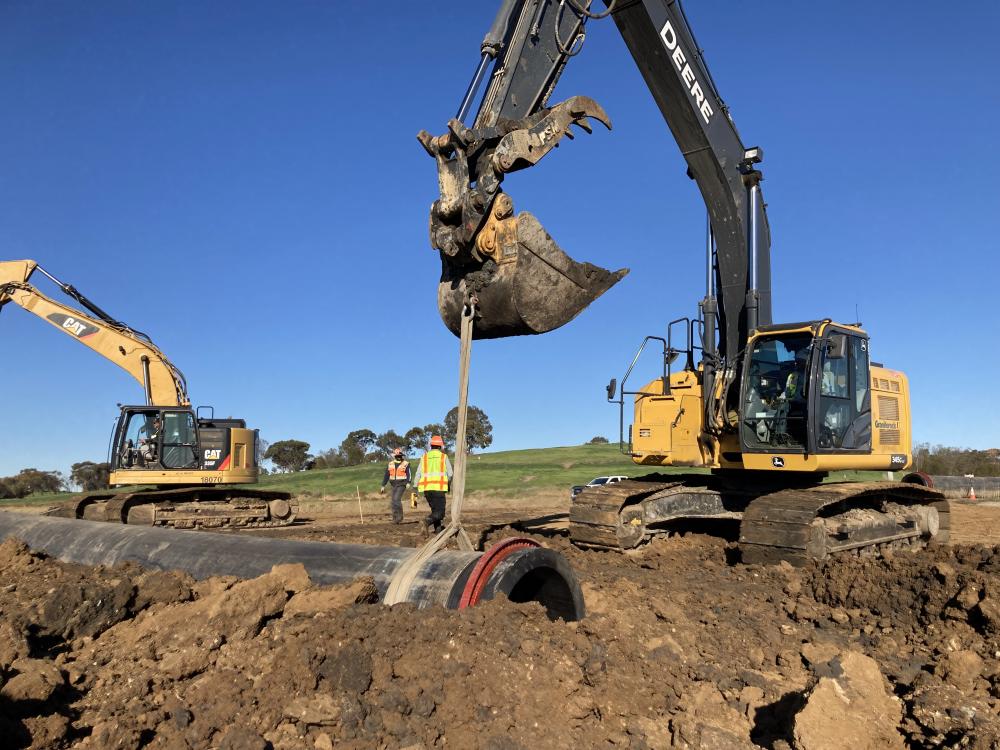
398, 471
433, 475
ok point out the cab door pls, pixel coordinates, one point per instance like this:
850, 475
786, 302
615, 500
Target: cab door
135, 426
841, 398
180, 440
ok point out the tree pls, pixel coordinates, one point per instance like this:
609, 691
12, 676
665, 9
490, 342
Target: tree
416, 440
356, 445
90, 476
939, 459
288, 455
33, 481
597, 440
388, 441
478, 430
329, 459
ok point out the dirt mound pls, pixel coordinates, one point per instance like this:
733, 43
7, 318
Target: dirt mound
681, 648
931, 620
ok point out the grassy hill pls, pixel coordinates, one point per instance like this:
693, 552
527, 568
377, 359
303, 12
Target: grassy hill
502, 474
506, 473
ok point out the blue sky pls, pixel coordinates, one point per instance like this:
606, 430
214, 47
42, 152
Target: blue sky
241, 180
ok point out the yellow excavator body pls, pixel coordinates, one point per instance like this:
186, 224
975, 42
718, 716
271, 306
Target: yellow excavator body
188, 470
241, 467
669, 429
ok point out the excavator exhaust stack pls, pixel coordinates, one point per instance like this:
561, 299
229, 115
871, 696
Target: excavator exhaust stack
524, 283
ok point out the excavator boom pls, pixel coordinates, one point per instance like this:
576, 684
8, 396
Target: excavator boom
523, 281
131, 350
769, 408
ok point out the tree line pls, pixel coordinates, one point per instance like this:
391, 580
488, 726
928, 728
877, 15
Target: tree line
956, 462
87, 475
366, 446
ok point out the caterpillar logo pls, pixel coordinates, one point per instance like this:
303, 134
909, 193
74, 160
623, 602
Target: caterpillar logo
669, 37
72, 326
213, 454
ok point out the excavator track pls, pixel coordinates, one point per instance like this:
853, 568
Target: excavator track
850, 517
810, 523
185, 508
610, 516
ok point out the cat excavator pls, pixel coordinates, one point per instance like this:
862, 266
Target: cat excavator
182, 468
769, 409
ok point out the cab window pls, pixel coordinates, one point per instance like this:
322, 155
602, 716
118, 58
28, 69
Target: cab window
775, 413
140, 426
835, 396
844, 419
862, 378
180, 439
140, 441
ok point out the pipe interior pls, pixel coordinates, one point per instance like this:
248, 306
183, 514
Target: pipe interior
548, 587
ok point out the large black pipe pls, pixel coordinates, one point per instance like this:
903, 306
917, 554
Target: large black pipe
449, 578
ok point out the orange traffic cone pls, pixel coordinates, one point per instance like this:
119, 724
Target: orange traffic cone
972, 492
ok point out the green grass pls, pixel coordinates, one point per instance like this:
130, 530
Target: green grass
507, 473
47, 499
504, 473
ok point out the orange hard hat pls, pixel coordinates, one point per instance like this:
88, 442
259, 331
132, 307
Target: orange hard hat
437, 441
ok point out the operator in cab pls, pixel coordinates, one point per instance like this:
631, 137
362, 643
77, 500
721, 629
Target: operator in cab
147, 445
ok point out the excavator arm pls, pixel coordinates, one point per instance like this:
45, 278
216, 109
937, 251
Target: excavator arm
131, 350
473, 224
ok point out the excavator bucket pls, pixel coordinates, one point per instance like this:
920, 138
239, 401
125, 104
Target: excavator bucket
533, 288
522, 280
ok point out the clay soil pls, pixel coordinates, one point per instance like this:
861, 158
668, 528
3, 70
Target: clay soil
682, 647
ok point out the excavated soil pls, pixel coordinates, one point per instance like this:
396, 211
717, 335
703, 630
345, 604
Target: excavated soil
682, 647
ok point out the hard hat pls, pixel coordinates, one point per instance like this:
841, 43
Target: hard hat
437, 441
398, 452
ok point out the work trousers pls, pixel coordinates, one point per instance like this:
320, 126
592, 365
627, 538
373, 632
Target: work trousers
396, 502
436, 501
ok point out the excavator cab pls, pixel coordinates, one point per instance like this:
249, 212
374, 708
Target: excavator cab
156, 438
176, 445
806, 395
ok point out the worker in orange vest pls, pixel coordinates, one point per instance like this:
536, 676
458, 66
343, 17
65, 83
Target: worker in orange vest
433, 479
397, 476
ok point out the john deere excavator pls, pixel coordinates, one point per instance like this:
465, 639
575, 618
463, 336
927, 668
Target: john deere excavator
769, 408
185, 468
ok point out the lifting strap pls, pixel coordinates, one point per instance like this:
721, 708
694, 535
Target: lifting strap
406, 574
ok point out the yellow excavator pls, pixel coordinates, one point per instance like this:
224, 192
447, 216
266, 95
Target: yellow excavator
771, 409
183, 467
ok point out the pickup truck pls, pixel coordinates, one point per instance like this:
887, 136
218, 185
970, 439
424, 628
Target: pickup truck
596, 482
